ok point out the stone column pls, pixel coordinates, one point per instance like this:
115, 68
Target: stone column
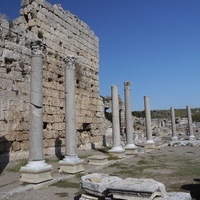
174, 136
36, 170
149, 143
71, 163
159, 127
191, 134
117, 148
130, 146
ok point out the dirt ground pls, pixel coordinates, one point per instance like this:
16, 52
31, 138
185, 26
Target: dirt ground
178, 168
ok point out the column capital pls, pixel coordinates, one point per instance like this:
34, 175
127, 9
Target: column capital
37, 47
70, 61
127, 85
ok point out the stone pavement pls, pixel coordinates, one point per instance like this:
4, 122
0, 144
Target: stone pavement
10, 185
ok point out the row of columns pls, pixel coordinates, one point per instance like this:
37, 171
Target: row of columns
37, 170
130, 147
190, 129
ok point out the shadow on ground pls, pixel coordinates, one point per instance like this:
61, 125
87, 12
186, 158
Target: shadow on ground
77, 197
4, 153
194, 189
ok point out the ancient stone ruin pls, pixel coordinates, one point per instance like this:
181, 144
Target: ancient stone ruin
63, 34
112, 187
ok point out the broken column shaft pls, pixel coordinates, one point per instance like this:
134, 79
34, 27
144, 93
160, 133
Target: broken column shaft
36, 170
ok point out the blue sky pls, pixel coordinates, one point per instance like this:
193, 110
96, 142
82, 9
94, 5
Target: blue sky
155, 44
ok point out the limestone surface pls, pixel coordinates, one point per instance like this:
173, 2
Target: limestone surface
175, 196
63, 34
97, 184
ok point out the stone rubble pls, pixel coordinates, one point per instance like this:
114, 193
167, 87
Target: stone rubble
112, 187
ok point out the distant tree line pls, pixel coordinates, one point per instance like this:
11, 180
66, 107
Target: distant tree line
182, 113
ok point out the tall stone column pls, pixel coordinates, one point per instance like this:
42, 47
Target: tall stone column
130, 146
149, 143
36, 170
117, 148
191, 134
174, 136
71, 163
159, 127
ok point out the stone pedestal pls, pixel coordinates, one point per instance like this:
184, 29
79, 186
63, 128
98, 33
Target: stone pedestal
149, 143
98, 160
36, 170
71, 163
130, 147
174, 136
118, 152
191, 134
117, 149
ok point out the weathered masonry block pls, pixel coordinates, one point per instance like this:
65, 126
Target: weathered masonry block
63, 34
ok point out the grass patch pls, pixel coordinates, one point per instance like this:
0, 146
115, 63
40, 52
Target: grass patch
66, 184
84, 156
190, 152
79, 175
51, 160
62, 194
120, 166
104, 150
18, 166
142, 162
155, 158
188, 169
112, 157
114, 165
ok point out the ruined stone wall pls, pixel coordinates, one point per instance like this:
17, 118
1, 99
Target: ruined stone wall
64, 34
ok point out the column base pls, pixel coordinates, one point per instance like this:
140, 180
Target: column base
175, 138
36, 172
98, 160
130, 149
71, 165
118, 151
149, 144
191, 137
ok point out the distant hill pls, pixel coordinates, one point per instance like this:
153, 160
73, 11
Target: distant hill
182, 113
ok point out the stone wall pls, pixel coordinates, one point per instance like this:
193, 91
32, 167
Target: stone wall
64, 34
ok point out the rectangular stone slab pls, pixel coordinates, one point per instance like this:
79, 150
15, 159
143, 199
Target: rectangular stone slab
98, 160
136, 189
88, 197
36, 177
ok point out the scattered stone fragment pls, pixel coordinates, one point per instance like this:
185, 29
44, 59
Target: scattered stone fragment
97, 184
105, 186
132, 188
175, 196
